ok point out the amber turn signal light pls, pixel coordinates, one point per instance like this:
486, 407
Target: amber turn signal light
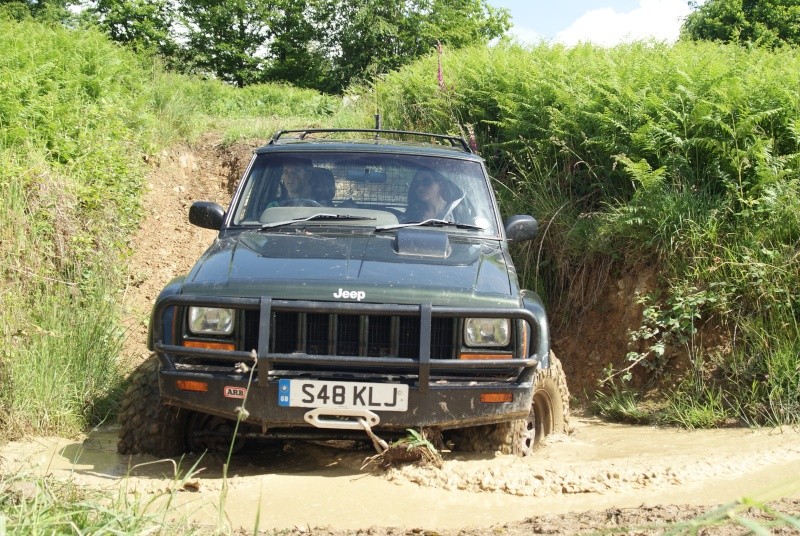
496, 398
210, 345
484, 356
191, 385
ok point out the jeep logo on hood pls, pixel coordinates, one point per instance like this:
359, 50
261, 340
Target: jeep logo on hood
342, 294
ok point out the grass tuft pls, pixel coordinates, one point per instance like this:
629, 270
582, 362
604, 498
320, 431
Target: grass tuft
46, 505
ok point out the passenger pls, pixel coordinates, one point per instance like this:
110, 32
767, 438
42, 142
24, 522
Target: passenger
323, 186
431, 196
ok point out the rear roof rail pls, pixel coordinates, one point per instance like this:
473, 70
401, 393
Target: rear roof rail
455, 141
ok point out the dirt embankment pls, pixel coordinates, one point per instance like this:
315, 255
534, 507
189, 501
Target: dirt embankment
167, 244
601, 477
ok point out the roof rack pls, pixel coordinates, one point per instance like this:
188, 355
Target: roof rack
455, 141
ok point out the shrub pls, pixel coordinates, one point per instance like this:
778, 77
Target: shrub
682, 157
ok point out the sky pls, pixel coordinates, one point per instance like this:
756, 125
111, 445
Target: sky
603, 22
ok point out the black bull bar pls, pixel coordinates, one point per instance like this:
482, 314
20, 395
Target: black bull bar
426, 398
532, 314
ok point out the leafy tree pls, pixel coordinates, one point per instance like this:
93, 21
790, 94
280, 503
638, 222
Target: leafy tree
299, 48
54, 10
767, 23
320, 44
359, 38
227, 37
141, 24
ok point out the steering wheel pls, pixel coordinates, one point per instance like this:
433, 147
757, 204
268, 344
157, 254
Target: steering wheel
301, 202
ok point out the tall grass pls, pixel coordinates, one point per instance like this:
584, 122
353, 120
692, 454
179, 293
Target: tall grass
78, 115
187, 107
31, 505
684, 158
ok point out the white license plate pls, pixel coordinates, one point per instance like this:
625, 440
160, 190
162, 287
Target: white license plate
350, 395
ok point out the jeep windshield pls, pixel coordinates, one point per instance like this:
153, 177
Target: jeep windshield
375, 190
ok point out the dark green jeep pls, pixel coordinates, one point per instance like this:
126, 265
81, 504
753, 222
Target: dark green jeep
360, 283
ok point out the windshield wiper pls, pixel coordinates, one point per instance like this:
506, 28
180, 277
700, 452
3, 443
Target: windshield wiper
316, 217
433, 222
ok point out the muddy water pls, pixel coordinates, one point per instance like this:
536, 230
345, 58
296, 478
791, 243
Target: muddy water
598, 466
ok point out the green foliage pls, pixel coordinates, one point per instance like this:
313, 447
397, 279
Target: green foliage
78, 116
413, 447
224, 37
697, 402
32, 504
61, 370
379, 37
667, 322
696, 410
320, 44
70, 197
767, 372
768, 23
299, 51
619, 402
680, 160
144, 25
43, 10
416, 439
188, 106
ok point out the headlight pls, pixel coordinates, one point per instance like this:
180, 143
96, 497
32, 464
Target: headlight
210, 321
487, 332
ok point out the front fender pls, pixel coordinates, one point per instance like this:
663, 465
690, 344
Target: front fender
540, 342
172, 288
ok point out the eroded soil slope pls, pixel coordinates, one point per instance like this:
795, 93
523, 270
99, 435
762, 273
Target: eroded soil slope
167, 245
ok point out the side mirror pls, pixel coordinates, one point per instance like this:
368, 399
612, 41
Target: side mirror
207, 215
521, 228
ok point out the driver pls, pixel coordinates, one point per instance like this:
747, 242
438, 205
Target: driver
296, 185
296, 179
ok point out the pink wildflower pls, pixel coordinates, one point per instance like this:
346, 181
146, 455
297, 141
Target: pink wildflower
439, 74
471, 139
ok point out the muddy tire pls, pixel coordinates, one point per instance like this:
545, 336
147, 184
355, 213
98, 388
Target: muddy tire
147, 425
549, 414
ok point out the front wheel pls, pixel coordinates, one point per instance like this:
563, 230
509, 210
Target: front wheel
549, 410
549, 414
148, 426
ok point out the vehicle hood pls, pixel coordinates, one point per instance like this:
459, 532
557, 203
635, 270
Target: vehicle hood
358, 266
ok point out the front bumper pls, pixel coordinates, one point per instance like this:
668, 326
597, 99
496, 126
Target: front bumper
443, 406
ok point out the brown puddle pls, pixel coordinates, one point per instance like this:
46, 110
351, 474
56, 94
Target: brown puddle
598, 466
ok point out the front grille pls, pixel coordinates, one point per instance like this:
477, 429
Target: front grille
358, 340
352, 335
